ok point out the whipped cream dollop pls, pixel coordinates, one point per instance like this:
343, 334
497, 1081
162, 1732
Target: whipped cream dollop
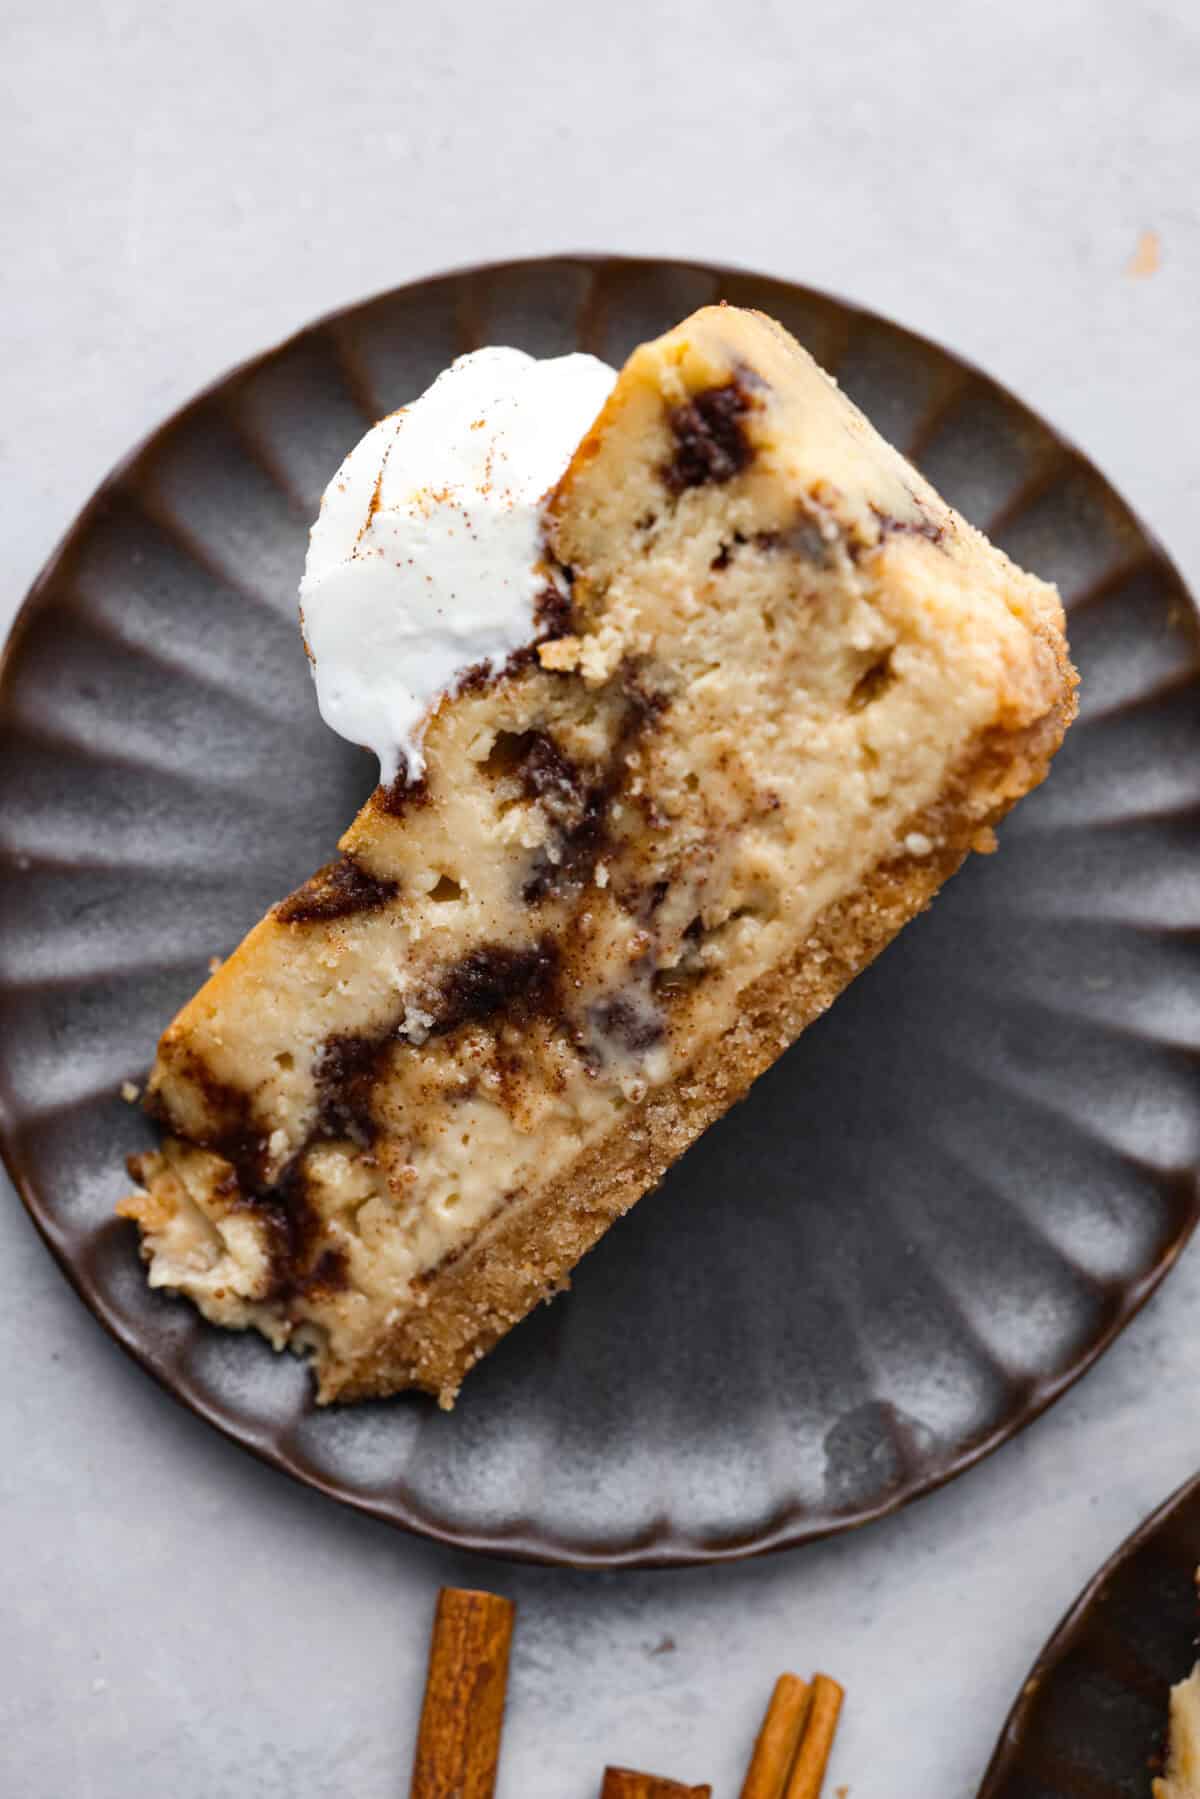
427, 557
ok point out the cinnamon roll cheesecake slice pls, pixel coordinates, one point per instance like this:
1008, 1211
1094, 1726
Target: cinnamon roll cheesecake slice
685, 736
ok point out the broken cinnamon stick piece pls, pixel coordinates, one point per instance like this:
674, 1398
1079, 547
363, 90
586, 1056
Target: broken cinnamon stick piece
778, 1736
458, 1744
625, 1783
820, 1726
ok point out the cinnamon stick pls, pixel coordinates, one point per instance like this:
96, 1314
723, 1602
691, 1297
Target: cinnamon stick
458, 1744
778, 1736
625, 1783
808, 1770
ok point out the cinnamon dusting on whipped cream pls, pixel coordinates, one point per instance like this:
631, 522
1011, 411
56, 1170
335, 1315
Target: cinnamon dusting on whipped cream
426, 561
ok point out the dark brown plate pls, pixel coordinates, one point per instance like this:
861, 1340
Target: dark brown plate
1090, 1722
924, 1223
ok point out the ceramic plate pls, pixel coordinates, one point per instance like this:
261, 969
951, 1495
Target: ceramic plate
922, 1225
1091, 1719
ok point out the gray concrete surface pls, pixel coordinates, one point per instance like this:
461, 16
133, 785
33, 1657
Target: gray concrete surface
183, 184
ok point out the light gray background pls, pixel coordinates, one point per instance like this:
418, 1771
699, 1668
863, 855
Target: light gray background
184, 184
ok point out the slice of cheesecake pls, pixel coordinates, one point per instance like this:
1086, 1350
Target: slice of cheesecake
782, 693
1182, 1779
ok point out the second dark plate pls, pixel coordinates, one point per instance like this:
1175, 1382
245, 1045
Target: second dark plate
922, 1225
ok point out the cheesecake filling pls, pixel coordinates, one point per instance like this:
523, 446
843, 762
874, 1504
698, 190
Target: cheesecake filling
426, 562
1182, 1778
